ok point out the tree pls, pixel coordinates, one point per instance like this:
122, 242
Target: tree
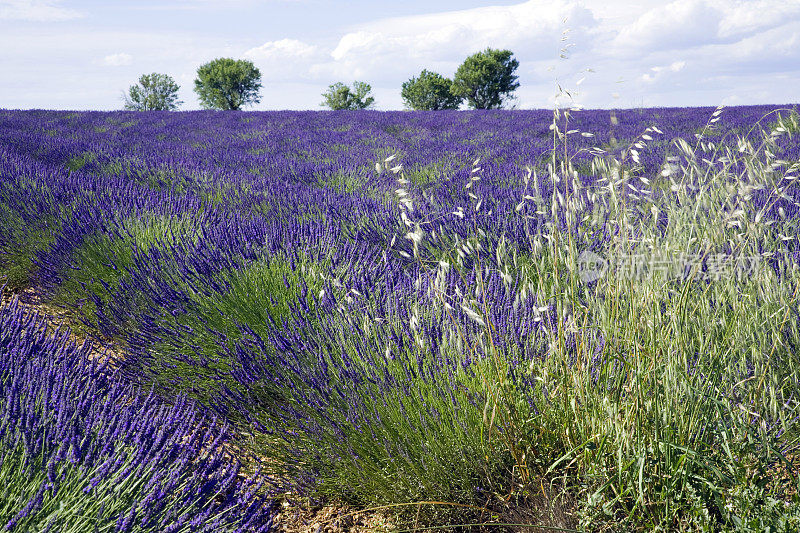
429, 92
486, 78
340, 96
154, 92
227, 83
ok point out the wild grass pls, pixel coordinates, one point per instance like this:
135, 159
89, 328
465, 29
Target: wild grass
669, 399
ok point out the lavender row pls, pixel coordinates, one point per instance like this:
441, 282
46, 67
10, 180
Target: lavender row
81, 450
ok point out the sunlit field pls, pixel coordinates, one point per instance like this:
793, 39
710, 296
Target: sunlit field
465, 321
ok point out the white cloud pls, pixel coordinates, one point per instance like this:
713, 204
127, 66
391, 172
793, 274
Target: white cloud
35, 10
285, 59
746, 17
683, 24
776, 46
658, 72
117, 60
677, 25
442, 40
285, 49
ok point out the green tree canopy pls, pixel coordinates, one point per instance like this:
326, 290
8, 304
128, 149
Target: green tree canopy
486, 79
227, 83
154, 92
340, 96
430, 92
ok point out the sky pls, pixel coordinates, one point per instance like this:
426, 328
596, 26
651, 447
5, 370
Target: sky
71, 54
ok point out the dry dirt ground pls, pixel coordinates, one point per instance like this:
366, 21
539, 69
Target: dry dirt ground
306, 518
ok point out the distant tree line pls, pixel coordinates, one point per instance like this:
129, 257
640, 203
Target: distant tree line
154, 92
339, 96
485, 80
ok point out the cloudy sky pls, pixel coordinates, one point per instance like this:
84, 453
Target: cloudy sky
72, 54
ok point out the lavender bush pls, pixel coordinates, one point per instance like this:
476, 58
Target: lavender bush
81, 450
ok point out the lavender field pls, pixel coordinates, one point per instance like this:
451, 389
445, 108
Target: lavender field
397, 310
